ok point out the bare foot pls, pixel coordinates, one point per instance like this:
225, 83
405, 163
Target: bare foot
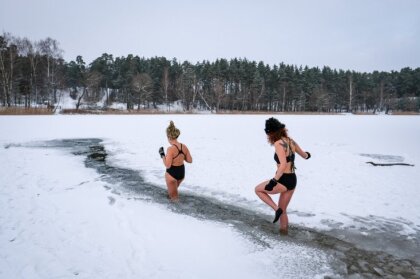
284, 231
174, 200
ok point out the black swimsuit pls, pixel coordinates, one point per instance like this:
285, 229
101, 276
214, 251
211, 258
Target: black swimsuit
290, 158
289, 180
177, 172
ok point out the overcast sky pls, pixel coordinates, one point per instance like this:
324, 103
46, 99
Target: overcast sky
361, 35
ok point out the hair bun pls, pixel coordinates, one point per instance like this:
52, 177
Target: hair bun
172, 132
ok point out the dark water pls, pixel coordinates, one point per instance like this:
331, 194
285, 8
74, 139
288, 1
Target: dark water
382, 254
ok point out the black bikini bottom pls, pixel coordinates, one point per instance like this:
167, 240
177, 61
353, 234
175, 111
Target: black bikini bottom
289, 180
177, 172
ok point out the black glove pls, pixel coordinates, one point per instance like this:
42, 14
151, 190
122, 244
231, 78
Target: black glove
271, 184
161, 152
309, 155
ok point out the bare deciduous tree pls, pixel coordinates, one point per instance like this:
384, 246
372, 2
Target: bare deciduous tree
8, 52
218, 92
142, 85
30, 50
50, 49
165, 84
93, 84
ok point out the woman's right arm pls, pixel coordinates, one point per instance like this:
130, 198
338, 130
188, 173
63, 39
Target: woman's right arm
167, 160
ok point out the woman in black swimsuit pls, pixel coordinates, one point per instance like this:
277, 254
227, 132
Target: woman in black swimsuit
176, 154
284, 181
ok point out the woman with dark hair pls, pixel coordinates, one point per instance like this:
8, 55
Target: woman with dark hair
284, 181
174, 159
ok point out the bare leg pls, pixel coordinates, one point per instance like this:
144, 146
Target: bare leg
172, 185
283, 203
264, 194
179, 182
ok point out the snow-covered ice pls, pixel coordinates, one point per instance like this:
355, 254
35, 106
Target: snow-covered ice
60, 219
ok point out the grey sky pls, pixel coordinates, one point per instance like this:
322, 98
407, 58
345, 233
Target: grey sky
361, 35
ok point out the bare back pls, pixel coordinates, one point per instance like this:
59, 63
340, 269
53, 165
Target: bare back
178, 153
288, 146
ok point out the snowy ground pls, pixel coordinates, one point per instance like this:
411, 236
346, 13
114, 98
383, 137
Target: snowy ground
60, 219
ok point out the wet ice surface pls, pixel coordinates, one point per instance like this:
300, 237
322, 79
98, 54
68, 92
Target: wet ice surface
379, 251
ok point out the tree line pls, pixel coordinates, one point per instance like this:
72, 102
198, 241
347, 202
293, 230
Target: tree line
35, 74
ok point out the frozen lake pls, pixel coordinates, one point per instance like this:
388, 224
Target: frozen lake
66, 211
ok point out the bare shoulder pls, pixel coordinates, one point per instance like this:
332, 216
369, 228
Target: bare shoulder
170, 149
184, 146
280, 143
280, 147
293, 141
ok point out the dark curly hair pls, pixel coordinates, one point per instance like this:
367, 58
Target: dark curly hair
275, 136
275, 130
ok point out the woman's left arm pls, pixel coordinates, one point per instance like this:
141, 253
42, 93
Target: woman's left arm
188, 157
303, 154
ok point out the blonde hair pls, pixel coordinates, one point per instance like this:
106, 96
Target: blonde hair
172, 132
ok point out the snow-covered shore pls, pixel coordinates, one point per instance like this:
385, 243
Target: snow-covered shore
60, 219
